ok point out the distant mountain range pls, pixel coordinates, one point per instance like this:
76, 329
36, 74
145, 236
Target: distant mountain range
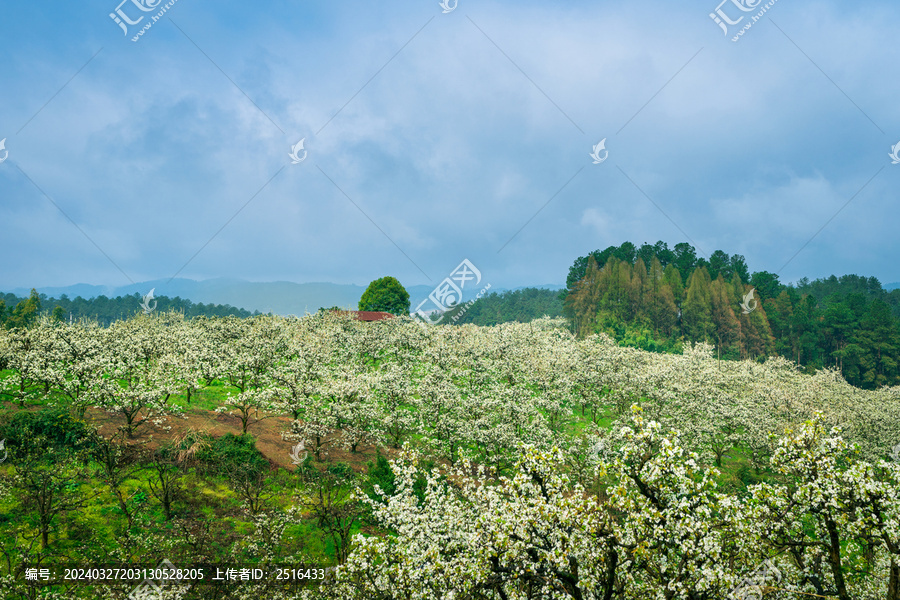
279, 297
892, 286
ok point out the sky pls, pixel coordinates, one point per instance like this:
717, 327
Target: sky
436, 133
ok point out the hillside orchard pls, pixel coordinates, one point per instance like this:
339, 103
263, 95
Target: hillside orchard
505, 462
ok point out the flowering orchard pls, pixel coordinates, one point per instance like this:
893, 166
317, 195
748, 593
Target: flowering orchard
524, 463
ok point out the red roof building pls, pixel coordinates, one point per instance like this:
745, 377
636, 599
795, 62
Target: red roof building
372, 315
368, 315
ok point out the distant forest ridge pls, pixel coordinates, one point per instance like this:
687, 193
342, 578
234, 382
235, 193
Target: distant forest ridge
658, 298
522, 306
21, 312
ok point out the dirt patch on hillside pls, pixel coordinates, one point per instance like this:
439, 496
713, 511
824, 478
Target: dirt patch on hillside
267, 430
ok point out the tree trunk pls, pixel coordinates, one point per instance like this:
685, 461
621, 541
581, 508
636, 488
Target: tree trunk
834, 559
894, 581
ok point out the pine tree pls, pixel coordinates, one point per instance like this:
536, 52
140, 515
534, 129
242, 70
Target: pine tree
615, 282
583, 300
675, 282
758, 339
696, 313
806, 332
659, 302
636, 291
837, 326
781, 313
879, 347
727, 326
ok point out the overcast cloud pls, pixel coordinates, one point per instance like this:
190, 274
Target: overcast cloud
434, 137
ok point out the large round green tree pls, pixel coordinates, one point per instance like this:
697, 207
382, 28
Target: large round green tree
385, 294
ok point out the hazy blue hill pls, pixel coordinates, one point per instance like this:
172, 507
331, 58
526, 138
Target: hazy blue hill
279, 297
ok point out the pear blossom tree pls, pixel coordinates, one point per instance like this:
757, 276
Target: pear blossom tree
250, 352
25, 358
347, 392
396, 417
134, 383
74, 353
295, 379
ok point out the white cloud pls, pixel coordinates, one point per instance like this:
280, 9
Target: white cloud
450, 149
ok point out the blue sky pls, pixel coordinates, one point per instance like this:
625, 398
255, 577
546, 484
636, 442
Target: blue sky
432, 137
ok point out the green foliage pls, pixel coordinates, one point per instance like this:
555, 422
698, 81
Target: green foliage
696, 311
640, 336
379, 473
58, 313
766, 284
387, 295
747, 476
341, 470
683, 258
655, 298
26, 312
101, 309
225, 454
521, 306
36, 432
421, 483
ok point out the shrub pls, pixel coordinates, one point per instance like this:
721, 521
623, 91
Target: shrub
232, 452
37, 432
